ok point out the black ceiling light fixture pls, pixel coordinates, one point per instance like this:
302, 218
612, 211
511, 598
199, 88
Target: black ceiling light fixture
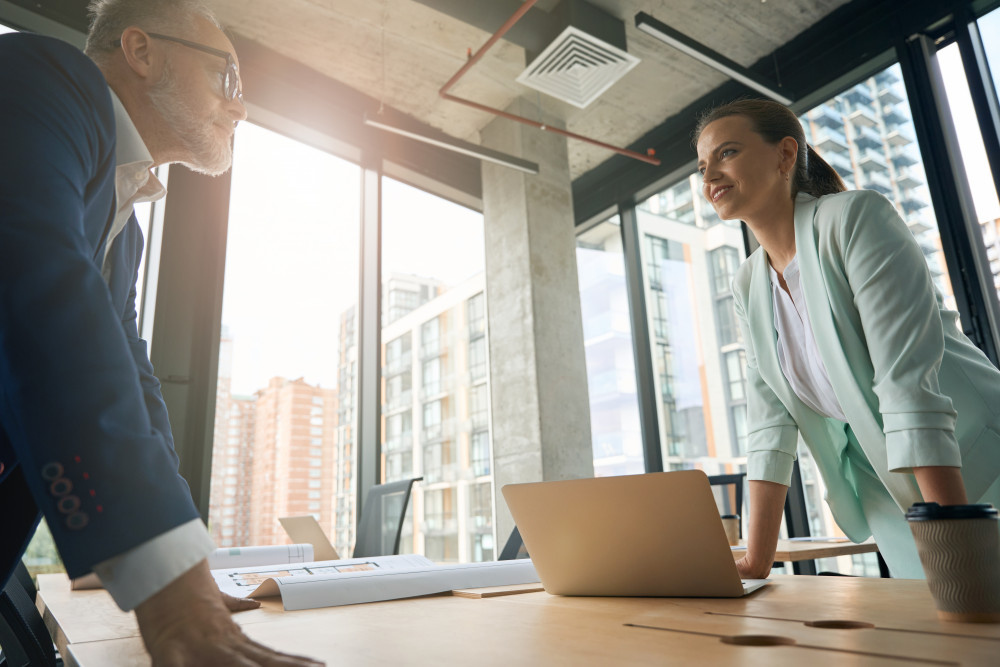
713, 59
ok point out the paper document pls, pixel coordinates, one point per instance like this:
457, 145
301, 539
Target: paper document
358, 580
818, 538
260, 556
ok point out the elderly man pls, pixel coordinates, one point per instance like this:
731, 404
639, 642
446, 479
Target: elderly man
84, 436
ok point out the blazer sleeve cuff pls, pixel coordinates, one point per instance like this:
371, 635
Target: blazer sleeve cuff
918, 447
770, 467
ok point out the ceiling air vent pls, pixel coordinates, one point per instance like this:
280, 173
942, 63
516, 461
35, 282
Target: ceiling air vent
577, 68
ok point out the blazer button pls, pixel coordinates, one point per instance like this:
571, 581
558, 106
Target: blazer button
60, 487
77, 520
68, 504
52, 471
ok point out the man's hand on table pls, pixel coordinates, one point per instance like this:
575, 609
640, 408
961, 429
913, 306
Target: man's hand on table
188, 623
238, 604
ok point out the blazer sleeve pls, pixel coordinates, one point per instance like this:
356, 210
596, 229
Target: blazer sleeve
900, 315
772, 434
71, 401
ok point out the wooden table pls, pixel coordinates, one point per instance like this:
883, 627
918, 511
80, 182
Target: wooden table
875, 622
794, 552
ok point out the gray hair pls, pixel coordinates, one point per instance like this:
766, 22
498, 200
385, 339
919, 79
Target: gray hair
110, 18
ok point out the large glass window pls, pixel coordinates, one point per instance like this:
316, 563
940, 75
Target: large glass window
977, 166
284, 404
607, 337
434, 299
689, 259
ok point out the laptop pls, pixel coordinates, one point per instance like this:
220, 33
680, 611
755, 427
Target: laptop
653, 535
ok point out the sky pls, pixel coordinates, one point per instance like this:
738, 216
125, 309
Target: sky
292, 257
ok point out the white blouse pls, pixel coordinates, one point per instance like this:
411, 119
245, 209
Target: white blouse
798, 355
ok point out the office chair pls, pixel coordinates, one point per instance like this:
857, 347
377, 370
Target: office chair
23, 636
382, 515
514, 548
733, 505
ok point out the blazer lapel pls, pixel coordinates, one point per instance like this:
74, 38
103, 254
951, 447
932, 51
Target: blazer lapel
859, 413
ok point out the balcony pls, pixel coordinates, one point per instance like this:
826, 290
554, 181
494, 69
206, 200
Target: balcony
841, 163
912, 203
444, 524
830, 140
824, 116
898, 138
872, 160
894, 118
399, 401
859, 94
399, 364
908, 178
887, 95
438, 432
867, 138
862, 117
886, 78
901, 157
443, 387
403, 441
918, 226
878, 181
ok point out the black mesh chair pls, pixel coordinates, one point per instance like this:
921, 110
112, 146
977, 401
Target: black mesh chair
382, 516
23, 636
514, 548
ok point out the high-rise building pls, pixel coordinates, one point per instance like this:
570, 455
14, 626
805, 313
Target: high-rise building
232, 458
401, 294
435, 412
293, 457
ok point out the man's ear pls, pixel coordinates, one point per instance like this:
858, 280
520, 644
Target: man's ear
139, 54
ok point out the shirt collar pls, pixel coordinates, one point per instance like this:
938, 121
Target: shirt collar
132, 157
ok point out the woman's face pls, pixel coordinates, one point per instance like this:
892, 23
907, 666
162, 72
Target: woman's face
743, 176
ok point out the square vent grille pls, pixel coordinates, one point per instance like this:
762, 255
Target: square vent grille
577, 68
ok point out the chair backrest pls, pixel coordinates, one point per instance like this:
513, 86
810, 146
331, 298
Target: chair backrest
514, 548
381, 523
23, 636
731, 504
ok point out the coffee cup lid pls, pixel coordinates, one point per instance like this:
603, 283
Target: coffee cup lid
730, 516
933, 511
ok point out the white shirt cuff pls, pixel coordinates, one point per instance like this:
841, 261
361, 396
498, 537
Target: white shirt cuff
136, 575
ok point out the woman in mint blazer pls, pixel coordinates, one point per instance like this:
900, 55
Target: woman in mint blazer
922, 403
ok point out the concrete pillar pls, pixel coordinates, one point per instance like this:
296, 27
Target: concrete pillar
538, 375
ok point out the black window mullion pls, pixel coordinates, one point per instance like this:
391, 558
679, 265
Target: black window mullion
641, 348
961, 241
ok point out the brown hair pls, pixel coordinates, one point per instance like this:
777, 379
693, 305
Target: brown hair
773, 122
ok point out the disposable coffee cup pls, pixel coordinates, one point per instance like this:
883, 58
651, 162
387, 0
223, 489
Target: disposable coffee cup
731, 522
959, 547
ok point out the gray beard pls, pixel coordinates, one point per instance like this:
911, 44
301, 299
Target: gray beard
211, 156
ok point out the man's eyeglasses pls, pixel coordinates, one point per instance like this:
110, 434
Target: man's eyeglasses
232, 87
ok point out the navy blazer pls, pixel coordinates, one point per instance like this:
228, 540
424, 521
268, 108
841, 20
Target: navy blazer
84, 436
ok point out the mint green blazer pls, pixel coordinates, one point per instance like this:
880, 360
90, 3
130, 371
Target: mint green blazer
915, 390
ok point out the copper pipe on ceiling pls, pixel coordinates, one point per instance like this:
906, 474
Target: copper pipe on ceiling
474, 58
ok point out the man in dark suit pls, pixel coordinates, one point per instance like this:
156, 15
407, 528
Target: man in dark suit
84, 436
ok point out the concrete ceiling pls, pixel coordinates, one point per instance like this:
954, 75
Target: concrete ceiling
424, 47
